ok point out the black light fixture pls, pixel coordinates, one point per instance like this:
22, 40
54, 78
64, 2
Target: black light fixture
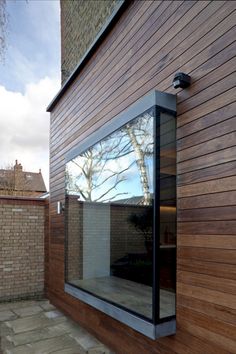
181, 80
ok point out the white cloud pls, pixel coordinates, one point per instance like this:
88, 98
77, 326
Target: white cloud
24, 125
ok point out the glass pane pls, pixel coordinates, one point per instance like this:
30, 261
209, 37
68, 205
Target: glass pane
109, 210
167, 214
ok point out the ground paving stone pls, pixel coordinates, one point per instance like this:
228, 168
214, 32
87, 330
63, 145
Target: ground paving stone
7, 315
32, 322
68, 351
46, 346
37, 327
47, 306
39, 334
17, 304
28, 311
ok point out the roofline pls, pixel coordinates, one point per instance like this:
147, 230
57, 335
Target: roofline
119, 9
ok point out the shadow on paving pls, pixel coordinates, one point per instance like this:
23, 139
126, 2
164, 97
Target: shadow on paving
37, 327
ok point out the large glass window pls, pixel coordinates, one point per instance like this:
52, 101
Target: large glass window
121, 216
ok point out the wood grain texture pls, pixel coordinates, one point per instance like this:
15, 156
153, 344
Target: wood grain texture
148, 45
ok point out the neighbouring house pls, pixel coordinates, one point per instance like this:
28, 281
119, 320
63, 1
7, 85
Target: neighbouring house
16, 182
156, 276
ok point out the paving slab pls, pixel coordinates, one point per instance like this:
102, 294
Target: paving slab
32, 322
37, 327
7, 315
101, 350
39, 334
47, 306
67, 351
28, 311
17, 304
46, 346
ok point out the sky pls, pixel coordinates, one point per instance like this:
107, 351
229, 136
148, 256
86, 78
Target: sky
29, 79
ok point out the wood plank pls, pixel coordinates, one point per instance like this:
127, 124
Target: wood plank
209, 329
212, 159
207, 295
136, 38
227, 227
161, 79
197, 128
215, 186
121, 38
202, 79
217, 88
221, 101
208, 241
209, 200
191, 341
212, 135
220, 345
222, 256
225, 271
207, 107
207, 174
227, 330
210, 146
141, 45
207, 281
166, 21
208, 214
146, 57
212, 310
125, 29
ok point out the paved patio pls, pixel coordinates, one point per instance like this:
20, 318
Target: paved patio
37, 327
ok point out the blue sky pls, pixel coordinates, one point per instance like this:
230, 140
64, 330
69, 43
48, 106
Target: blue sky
29, 79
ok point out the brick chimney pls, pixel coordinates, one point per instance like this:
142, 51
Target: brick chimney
18, 175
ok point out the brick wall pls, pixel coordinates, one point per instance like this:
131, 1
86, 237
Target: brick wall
20, 193
79, 31
124, 238
22, 233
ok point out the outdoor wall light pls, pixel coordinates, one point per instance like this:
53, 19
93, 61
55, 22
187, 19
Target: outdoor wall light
181, 80
60, 207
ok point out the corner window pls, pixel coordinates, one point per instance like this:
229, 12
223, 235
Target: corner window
120, 212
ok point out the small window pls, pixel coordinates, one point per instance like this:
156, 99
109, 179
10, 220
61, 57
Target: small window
120, 215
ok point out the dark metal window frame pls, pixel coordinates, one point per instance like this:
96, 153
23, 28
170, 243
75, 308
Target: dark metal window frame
166, 103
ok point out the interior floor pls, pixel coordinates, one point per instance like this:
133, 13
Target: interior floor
131, 295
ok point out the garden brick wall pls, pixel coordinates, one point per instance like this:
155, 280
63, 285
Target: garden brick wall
23, 228
78, 31
124, 238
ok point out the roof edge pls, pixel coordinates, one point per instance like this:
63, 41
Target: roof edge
119, 9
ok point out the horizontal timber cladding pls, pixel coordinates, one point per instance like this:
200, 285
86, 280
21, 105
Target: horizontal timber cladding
149, 43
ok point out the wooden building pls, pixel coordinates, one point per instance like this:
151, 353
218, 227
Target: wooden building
128, 70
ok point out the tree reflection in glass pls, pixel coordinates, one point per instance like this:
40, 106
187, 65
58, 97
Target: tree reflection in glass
107, 170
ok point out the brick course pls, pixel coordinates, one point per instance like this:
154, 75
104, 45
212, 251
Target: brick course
22, 233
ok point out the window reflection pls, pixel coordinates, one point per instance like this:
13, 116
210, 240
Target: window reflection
109, 215
109, 196
118, 167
